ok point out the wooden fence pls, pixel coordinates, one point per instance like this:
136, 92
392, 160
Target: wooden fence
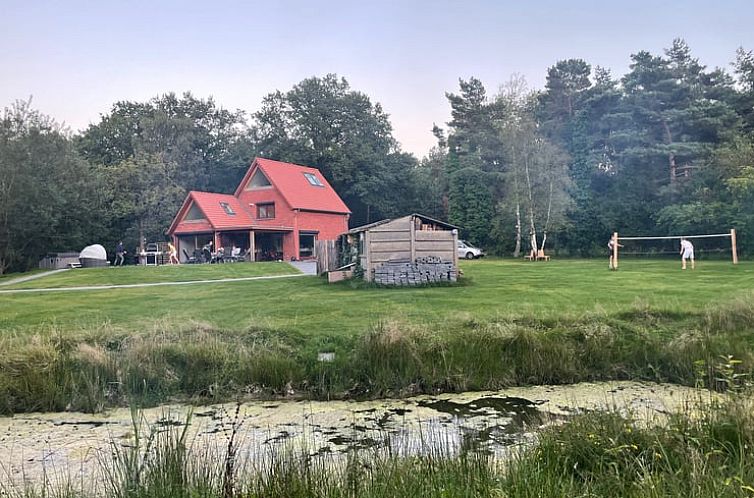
327, 256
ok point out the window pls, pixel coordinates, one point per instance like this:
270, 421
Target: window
228, 210
258, 180
306, 245
266, 211
313, 180
194, 214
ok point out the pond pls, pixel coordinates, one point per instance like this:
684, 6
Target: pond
70, 446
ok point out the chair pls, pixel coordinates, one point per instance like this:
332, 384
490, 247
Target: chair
189, 259
541, 255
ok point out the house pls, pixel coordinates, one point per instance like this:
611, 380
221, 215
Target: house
278, 212
411, 250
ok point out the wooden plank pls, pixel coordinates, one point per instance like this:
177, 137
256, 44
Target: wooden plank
390, 246
388, 236
412, 242
434, 235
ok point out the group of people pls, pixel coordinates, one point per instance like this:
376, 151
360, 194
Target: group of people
120, 254
219, 256
687, 253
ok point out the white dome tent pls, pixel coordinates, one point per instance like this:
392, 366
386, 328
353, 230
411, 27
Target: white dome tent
93, 256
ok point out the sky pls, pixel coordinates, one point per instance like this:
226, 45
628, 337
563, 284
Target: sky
75, 59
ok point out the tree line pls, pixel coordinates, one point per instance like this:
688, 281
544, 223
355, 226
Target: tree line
666, 148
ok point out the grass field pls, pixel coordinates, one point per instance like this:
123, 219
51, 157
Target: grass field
507, 323
310, 306
124, 275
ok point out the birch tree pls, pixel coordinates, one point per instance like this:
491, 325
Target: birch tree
537, 177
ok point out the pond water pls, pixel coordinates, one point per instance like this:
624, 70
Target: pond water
70, 446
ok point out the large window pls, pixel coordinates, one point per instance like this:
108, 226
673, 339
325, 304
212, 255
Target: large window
258, 180
306, 245
194, 214
313, 180
266, 211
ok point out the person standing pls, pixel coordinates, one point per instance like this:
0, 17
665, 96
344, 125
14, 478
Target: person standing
687, 252
119, 254
173, 252
610, 248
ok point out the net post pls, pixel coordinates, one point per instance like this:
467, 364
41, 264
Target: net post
615, 250
733, 245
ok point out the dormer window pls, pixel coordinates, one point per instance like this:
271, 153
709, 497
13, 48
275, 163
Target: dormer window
313, 180
228, 210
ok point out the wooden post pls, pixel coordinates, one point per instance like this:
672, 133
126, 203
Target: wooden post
455, 252
615, 250
412, 238
733, 245
252, 247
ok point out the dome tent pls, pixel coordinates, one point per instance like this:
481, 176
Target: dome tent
92, 256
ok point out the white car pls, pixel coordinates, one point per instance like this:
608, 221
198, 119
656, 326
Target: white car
466, 250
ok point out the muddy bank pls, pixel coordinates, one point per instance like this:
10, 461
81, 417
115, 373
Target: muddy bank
70, 446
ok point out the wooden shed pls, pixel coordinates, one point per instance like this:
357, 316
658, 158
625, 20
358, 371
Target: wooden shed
413, 239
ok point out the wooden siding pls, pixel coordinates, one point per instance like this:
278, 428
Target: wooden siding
399, 240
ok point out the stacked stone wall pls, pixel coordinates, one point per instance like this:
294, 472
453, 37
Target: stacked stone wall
424, 270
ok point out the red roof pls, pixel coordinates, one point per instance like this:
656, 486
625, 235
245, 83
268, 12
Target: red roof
298, 192
210, 204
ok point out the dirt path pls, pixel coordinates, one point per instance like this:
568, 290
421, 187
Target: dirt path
137, 286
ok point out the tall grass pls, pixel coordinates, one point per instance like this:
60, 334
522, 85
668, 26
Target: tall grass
89, 370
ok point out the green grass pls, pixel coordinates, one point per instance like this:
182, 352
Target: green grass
309, 306
11, 276
510, 323
123, 275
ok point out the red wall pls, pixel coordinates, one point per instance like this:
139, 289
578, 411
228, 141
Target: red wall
328, 225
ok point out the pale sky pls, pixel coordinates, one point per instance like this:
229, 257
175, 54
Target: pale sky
77, 58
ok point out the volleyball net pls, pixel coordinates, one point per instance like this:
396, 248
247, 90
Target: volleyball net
712, 246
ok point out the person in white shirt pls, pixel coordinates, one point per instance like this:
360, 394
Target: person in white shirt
687, 252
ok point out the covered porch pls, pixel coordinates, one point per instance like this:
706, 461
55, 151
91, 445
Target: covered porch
253, 245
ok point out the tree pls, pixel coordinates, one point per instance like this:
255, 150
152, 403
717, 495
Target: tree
50, 198
143, 205
323, 123
537, 178
209, 144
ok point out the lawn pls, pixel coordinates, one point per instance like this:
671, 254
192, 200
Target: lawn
309, 306
508, 323
124, 275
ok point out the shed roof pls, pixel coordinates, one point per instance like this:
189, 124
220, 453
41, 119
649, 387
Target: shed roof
422, 217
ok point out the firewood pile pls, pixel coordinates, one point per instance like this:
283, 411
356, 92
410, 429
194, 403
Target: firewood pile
424, 270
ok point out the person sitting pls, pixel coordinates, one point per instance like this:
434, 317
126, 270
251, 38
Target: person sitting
219, 255
235, 253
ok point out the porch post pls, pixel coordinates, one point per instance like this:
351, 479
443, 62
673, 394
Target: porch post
217, 241
296, 248
252, 248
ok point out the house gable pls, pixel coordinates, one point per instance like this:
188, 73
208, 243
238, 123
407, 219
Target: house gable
258, 180
194, 213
